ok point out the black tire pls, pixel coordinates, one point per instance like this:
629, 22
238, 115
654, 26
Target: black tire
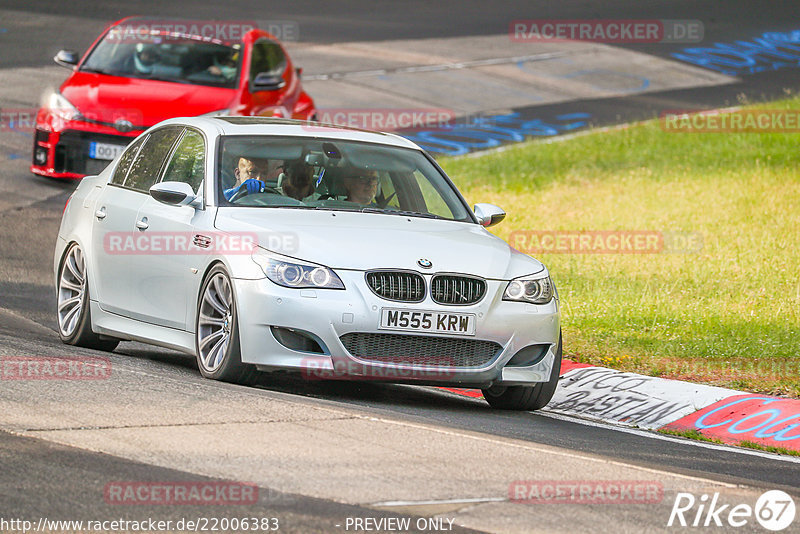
230, 368
526, 398
78, 331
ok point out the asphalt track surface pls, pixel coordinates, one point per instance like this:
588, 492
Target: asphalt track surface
32, 45
40, 478
364, 20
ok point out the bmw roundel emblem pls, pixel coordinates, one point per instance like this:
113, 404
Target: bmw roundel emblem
425, 263
123, 125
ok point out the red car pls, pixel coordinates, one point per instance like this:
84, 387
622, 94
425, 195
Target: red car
130, 80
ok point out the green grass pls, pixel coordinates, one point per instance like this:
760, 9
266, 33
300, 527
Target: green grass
691, 434
768, 448
728, 315
695, 434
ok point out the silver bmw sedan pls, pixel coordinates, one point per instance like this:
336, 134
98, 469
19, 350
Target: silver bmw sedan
261, 244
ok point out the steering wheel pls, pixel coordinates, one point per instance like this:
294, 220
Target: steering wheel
243, 192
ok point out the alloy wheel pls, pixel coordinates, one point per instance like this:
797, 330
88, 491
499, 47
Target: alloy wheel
71, 291
215, 323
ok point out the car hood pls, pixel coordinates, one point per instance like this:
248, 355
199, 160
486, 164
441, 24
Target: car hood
144, 103
363, 241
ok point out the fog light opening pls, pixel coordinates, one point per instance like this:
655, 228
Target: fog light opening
40, 155
530, 355
297, 340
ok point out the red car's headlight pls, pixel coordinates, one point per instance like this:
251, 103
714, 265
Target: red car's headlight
61, 107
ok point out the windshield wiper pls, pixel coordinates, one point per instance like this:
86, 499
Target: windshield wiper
333, 208
164, 79
100, 71
133, 75
401, 212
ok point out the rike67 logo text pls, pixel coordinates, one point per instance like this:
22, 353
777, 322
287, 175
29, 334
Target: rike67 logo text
774, 510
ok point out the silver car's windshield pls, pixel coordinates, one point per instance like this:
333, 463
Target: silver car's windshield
168, 57
313, 173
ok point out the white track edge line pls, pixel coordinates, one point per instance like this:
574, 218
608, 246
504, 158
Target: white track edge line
656, 435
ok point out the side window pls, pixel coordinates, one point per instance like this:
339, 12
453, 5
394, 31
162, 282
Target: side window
267, 56
147, 166
434, 201
125, 162
387, 194
188, 161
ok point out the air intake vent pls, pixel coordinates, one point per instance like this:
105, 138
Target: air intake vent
399, 286
429, 351
458, 290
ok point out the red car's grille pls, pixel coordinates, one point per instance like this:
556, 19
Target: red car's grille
72, 151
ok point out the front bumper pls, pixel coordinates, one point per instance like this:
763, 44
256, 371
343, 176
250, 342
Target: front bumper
327, 316
61, 148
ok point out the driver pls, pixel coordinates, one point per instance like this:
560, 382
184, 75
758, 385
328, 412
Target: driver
145, 57
249, 172
361, 186
225, 68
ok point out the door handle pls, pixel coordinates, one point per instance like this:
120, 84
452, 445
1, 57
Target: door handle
142, 224
101, 213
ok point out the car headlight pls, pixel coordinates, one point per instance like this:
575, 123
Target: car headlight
289, 272
531, 288
61, 107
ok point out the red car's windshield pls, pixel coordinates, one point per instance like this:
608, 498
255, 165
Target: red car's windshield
174, 58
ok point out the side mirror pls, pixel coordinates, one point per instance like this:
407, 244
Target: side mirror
66, 58
174, 194
489, 214
265, 81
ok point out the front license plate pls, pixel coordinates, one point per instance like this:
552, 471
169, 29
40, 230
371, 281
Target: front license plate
428, 321
104, 150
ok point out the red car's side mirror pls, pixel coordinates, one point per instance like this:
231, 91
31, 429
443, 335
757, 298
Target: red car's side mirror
265, 81
67, 58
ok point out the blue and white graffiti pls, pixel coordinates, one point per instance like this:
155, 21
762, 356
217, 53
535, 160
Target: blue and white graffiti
491, 131
771, 51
